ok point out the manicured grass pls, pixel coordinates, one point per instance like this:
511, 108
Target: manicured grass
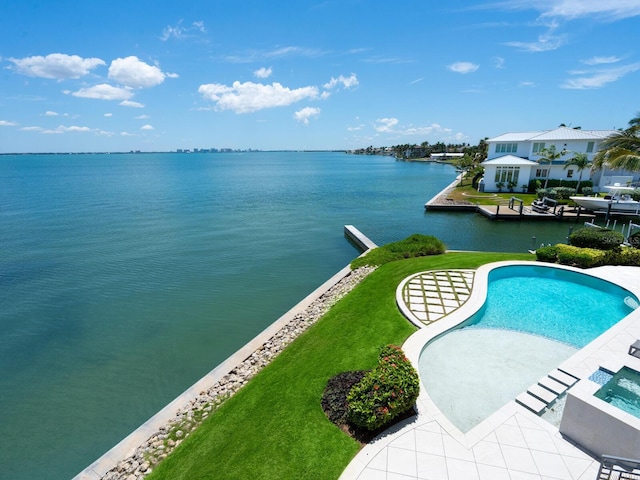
274, 427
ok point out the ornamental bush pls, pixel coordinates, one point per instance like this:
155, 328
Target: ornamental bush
547, 254
564, 192
624, 256
580, 257
389, 390
599, 238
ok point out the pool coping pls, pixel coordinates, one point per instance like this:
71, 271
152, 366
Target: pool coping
583, 363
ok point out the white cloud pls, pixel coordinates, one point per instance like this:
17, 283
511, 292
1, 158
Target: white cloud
498, 62
263, 72
305, 114
72, 129
385, 124
417, 80
599, 78
31, 129
609, 10
280, 52
546, 42
104, 92
605, 10
526, 84
56, 66
346, 82
392, 126
108, 114
49, 113
134, 73
130, 103
146, 127
463, 67
6, 123
601, 60
251, 97
181, 32
141, 117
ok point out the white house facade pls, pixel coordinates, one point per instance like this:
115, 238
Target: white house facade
514, 159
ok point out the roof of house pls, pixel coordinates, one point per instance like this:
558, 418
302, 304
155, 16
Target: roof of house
508, 160
560, 133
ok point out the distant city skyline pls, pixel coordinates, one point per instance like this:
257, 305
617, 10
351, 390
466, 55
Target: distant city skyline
325, 75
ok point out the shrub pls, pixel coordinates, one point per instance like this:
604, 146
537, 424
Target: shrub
416, 245
389, 390
599, 238
334, 397
580, 257
587, 191
564, 192
636, 194
634, 240
623, 256
547, 254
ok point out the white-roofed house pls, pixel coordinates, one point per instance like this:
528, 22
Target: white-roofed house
514, 157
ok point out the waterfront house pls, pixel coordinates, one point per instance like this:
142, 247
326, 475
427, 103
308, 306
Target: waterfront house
515, 158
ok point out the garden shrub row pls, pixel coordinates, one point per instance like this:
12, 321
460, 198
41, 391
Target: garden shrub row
588, 257
599, 238
536, 184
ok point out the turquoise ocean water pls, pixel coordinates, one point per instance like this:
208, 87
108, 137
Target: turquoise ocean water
125, 278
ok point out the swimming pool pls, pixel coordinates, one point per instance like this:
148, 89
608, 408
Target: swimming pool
534, 317
622, 390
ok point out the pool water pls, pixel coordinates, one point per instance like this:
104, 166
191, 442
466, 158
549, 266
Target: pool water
553, 311
563, 305
623, 391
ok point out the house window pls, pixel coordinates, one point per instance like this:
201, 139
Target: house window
538, 146
507, 174
506, 147
542, 172
569, 173
590, 146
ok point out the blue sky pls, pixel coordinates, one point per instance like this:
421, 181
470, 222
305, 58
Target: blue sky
159, 76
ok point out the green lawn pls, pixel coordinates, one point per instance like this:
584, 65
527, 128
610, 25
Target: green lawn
274, 427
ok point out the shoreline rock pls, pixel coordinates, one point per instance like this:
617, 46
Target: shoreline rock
162, 443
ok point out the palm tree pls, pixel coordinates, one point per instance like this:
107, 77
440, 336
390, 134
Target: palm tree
621, 151
549, 155
581, 161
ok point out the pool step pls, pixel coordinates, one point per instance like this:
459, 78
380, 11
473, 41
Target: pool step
563, 377
552, 385
541, 393
531, 402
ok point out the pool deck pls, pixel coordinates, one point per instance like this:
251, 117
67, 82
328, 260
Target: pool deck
513, 443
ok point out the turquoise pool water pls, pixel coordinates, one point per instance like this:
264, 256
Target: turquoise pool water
623, 391
562, 305
533, 319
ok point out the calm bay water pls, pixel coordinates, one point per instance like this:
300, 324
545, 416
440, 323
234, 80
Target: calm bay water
125, 278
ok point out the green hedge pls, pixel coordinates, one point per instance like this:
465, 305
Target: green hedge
536, 184
634, 240
580, 257
416, 245
389, 390
599, 238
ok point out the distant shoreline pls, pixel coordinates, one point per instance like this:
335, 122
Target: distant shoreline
137, 152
